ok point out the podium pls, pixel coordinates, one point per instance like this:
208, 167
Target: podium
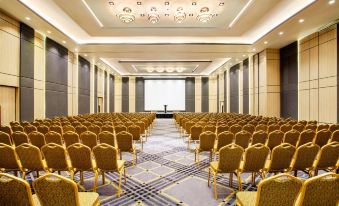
165, 108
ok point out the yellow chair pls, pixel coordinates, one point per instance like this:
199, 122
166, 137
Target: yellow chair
106, 158
281, 158
14, 191
228, 162
210, 128
206, 144
259, 137
334, 127
299, 127
261, 127
107, 128
254, 160
19, 138
304, 158
249, 128
5, 138
224, 138
135, 131
274, 139
107, 138
328, 158
6, 129
81, 161
56, 158
43, 129
89, 139
37, 139
30, 159
125, 144
322, 137
292, 137
272, 128
80, 129
143, 130
235, 129
320, 190
323, 126
335, 136
67, 128
56, 128
305, 137
194, 134
222, 128
17, 128
243, 138
312, 127
70, 138
53, 137
120, 128
285, 128
282, 189
52, 189
8, 159
29, 128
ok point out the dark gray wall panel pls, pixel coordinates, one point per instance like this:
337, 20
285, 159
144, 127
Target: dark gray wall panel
204, 94
26, 73
125, 94
105, 92
111, 93
95, 89
246, 96
225, 91
84, 86
190, 94
289, 81
234, 89
139, 94
56, 79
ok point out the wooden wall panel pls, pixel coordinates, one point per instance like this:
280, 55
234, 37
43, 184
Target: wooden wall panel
8, 104
212, 94
39, 76
132, 94
117, 94
241, 91
221, 92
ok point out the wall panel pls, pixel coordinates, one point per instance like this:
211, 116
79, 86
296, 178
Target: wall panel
190, 94
198, 91
245, 86
204, 94
139, 94
125, 94
84, 86
234, 88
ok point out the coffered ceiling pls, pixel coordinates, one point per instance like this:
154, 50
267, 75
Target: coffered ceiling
237, 29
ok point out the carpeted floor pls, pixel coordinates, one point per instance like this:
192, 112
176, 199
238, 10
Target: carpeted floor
166, 174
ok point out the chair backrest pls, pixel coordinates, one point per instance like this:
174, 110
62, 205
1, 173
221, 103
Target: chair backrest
95, 129
80, 156
261, 127
188, 126
107, 128
8, 158
125, 141
106, 157
299, 127
255, 157
6, 129
141, 125
30, 157
37, 139
334, 127
292, 137
53, 189
89, 139
17, 128
19, 138
107, 138
281, 157
135, 131
80, 129
70, 138
68, 128
305, 137
281, 189
323, 126
43, 129
322, 137
56, 128
196, 130
274, 139
224, 139
335, 136
55, 156
230, 158
320, 190
243, 138
5, 138
305, 156
285, 128
312, 127
14, 191
273, 127
29, 128
210, 127
235, 129
207, 140
53, 137
249, 128
120, 128
222, 128
328, 157
259, 137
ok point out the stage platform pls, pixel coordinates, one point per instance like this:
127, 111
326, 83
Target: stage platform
163, 115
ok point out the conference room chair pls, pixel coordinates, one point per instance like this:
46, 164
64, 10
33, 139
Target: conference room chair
210, 128
86, 124
43, 129
323, 126
261, 127
80, 129
243, 139
95, 129
70, 138
222, 128
187, 128
249, 128
89, 139
13, 123
235, 129
274, 139
291, 137
97, 123
259, 137
5, 138
120, 128
68, 128
15, 191
9, 160
299, 127
305, 137
81, 161
143, 130
281, 158
335, 136
107, 138
135, 131
285, 128
254, 160
106, 158
312, 127
328, 158
108, 128
282, 189
273, 127
206, 144
334, 127
320, 190
194, 135
19, 138
53, 137
304, 158
56, 128
53, 189
6, 129
29, 128
223, 139
125, 144
31, 159
24, 123
75, 124
35, 124
37, 139
17, 128
322, 137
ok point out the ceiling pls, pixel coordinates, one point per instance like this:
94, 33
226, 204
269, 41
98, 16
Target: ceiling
237, 29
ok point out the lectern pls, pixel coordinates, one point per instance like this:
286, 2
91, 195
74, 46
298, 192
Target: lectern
165, 108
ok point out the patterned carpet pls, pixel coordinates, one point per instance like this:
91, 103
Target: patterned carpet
166, 175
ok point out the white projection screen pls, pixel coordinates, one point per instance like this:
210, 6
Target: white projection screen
160, 92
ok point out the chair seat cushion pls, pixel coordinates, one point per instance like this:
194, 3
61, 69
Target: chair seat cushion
85, 199
246, 198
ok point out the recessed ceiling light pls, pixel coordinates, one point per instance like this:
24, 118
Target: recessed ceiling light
48, 31
243, 55
139, 2
301, 20
166, 14
253, 49
281, 33
27, 18
265, 42
76, 49
166, 3
142, 15
64, 42
221, 4
85, 55
331, 2
111, 3
194, 3
190, 15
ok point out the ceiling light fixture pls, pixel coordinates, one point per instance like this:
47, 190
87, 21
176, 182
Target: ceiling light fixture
194, 3
169, 69
85, 55
126, 16
204, 15
179, 69
111, 3
221, 4
331, 2
166, 3
253, 49
160, 69
281, 33
27, 18
179, 15
64, 42
265, 42
48, 31
139, 2
150, 69
301, 20
153, 16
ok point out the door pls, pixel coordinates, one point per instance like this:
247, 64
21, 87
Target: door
100, 105
7, 104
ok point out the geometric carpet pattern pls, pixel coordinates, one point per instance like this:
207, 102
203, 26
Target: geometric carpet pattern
166, 174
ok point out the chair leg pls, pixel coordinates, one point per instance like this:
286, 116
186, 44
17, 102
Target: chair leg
59, 172
210, 156
96, 176
37, 174
81, 177
239, 181
120, 155
125, 174
215, 185
142, 145
231, 179
103, 177
208, 177
296, 173
119, 186
23, 175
